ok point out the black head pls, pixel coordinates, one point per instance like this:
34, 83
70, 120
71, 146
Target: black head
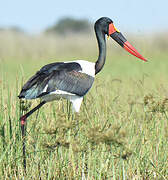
103, 24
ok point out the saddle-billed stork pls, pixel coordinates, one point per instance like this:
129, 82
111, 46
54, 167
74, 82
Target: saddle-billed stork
72, 80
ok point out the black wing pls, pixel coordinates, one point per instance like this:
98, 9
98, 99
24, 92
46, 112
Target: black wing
57, 76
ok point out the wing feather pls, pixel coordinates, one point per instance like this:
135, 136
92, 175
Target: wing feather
54, 76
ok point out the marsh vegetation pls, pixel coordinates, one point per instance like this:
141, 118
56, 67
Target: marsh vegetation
121, 131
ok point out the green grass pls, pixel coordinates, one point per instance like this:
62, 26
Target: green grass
121, 131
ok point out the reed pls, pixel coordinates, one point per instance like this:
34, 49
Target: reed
120, 132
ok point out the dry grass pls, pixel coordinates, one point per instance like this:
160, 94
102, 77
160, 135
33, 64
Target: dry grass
121, 130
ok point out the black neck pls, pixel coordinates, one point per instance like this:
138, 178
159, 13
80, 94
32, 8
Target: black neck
102, 50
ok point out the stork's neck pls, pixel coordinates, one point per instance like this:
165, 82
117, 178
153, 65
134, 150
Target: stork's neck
102, 50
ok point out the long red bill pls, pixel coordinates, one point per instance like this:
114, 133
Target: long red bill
128, 47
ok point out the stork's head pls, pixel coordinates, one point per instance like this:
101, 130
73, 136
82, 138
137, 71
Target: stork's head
106, 25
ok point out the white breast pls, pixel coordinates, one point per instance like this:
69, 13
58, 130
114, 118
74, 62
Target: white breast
87, 67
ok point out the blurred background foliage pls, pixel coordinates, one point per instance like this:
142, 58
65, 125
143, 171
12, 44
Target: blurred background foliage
70, 39
68, 25
69, 34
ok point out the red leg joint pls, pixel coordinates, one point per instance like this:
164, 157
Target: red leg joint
23, 120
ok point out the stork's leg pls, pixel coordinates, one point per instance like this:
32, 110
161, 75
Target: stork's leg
23, 122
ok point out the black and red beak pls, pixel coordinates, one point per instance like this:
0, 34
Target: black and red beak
121, 40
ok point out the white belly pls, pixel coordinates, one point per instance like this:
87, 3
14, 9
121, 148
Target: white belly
58, 94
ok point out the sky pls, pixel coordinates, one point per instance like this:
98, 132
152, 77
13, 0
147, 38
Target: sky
34, 16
